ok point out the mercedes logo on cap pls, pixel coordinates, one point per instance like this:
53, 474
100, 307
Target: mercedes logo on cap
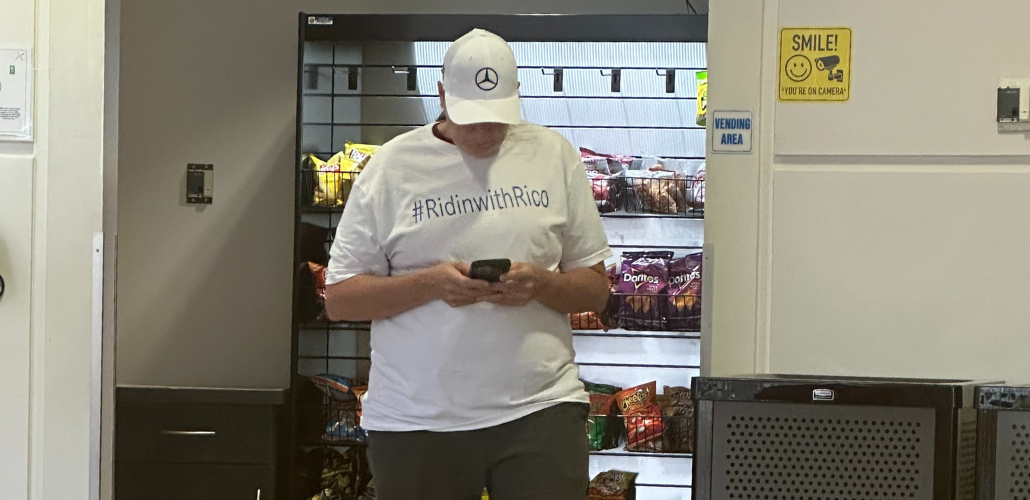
486, 79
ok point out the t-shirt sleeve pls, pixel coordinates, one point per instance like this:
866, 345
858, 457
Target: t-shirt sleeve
584, 243
357, 248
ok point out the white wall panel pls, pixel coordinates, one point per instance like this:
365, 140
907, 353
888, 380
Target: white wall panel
917, 273
924, 78
15, 353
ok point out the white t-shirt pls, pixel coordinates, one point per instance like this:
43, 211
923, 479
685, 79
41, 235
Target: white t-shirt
420, 202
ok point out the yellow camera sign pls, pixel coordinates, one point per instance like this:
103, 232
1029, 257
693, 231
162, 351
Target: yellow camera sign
815, 64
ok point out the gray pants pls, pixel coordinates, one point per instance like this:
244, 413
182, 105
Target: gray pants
542, 456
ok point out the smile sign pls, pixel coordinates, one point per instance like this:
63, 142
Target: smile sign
815, 64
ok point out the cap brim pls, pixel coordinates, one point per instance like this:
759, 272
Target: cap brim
469, 111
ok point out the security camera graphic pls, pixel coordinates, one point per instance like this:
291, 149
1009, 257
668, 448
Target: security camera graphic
828, 64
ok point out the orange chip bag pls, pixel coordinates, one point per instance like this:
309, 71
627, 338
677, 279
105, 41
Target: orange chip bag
639, 406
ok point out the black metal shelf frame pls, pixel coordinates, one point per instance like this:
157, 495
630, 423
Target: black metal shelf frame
328, 154
643, 365
407, 67
694, 214
677, 486
641, 335
584, 127
564, 97
615, 453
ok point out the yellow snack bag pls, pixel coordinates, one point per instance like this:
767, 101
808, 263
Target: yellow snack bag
702, 98
360, 153
334, 179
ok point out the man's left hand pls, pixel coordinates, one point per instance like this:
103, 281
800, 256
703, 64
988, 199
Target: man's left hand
520, 285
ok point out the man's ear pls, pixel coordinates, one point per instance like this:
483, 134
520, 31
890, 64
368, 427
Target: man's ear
443, 102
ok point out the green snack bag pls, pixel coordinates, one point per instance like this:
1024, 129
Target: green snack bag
604, 427
702, 98
601, 388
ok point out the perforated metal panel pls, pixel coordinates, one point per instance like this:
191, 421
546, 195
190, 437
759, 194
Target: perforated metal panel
965, 459
1012, 459
766, 451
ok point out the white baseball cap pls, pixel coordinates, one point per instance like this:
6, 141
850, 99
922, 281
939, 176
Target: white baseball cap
480, 80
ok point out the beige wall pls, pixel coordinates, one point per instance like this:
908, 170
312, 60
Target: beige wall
204, 293
883, 236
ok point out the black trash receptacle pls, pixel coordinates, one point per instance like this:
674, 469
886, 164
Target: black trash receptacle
790, 437
1003, 460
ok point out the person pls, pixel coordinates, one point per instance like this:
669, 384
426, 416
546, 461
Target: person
472, 384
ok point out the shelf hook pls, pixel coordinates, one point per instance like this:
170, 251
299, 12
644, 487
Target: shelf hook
670, 79
412, 73
559, 78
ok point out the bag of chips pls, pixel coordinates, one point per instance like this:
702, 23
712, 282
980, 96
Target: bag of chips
341, 409
696, 194
639, 407
604, 426
360, 153
600, 179
657, 191
334, 179
678, 417
313, 290
610, 315
644, 278
702, 99
683, 302
600, 388
344, 474
334, 386
586, 321
343, 425
606, 163
613, 485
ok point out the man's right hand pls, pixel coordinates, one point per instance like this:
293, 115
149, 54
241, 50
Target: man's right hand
450, 283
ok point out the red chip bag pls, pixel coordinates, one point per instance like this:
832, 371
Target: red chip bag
318, 278
639, 406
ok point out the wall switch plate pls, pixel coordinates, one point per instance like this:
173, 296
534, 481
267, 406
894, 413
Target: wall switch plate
1014, 100
200, 183
1008, 104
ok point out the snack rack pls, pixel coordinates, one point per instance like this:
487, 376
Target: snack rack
614, 84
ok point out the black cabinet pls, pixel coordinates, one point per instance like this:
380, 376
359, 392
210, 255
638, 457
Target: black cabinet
200, 444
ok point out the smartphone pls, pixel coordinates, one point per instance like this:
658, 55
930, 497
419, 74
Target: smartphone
489, 270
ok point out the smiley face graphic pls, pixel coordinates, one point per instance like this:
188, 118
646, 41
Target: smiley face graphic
798, 68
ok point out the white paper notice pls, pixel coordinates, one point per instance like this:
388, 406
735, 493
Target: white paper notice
15, 95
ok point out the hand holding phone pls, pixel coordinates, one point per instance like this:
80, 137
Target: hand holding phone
520, 285
489, 270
